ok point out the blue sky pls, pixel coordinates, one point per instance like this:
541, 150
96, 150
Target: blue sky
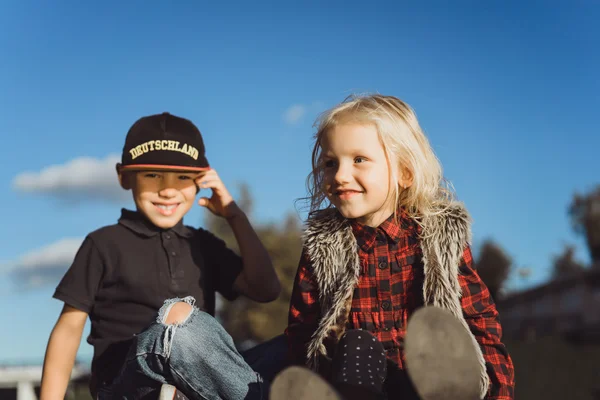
506, 91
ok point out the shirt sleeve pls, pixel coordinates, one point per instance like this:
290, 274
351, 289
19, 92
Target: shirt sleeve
304, 311
482, 317
80, 283
224, 263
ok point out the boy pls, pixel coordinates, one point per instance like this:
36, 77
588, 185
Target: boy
149, 263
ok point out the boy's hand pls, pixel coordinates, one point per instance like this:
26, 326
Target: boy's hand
220, 203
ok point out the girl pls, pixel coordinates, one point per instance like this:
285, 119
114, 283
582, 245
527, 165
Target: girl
384, 238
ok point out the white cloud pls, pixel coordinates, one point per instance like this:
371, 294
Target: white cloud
294, 113
82, 177
45, 265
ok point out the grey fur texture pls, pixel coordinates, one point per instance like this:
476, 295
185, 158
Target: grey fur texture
333, 252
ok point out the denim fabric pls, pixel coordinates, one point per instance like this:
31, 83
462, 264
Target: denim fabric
198, 357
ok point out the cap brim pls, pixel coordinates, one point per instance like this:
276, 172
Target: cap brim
155, 167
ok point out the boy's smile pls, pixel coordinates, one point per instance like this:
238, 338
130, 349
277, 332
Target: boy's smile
166, 209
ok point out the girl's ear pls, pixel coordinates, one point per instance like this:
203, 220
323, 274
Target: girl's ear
405, 180
124, 177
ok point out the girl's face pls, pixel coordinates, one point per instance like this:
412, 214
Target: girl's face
357, 177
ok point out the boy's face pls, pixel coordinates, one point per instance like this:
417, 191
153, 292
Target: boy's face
164, 197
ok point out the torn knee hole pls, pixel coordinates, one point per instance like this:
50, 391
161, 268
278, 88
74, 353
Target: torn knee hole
178, 313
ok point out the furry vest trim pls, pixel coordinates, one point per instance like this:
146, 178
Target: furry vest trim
333, 252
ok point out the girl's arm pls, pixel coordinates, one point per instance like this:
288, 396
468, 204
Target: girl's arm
482, 317
304, 311
60, 353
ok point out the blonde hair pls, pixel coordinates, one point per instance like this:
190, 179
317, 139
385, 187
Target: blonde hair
403, 141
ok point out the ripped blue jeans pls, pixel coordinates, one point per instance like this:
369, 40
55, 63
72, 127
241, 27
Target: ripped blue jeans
198, 357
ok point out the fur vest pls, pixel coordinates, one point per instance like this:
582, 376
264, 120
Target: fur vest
333, 251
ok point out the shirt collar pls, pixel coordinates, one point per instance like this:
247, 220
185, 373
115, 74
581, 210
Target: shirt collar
136, 222
391, 228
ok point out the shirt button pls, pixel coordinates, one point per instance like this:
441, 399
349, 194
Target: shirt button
173, 253
167, 236
385, 304
382, 265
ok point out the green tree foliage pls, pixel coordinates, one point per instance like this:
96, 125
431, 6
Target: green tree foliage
565, 265
585, 219
246, 320
493, 266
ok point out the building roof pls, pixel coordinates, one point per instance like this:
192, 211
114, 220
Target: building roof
590, 276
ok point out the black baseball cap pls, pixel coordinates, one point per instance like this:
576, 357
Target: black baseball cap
164, 142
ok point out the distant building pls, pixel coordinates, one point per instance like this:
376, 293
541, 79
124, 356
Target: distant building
569, 307
22, 382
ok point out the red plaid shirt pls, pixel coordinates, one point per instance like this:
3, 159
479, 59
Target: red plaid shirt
390, 290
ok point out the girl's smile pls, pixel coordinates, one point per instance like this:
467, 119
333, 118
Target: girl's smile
347, 194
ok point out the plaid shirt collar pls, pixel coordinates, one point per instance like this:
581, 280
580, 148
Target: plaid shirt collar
394, 230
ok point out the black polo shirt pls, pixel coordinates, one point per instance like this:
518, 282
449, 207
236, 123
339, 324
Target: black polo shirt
123, 273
